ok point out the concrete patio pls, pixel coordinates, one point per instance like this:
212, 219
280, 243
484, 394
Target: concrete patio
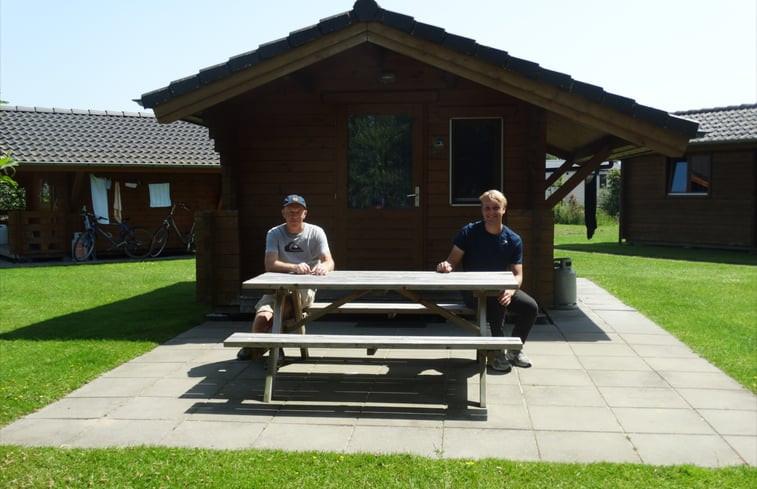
607, 385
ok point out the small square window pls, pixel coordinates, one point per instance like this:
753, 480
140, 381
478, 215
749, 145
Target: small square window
475, 158
689, 176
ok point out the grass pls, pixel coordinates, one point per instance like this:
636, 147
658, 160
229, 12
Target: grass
63, 326
193, 468
706, 298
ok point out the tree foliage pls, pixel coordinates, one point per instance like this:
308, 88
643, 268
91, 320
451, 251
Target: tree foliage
12, 196
609, 196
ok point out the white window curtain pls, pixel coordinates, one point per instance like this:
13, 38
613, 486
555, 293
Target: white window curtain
99, 189
160, 195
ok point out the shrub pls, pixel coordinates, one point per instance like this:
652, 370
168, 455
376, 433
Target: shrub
570, 212
12, 197
609, 196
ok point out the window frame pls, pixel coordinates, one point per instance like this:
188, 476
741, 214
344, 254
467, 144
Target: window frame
686, 163
460, 201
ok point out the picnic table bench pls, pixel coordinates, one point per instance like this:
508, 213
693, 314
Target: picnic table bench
481, 344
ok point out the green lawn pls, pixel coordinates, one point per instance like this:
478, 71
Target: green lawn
63, 326
705, 298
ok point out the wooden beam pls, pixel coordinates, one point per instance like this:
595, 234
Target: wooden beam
76, 188
578, 177
558, 173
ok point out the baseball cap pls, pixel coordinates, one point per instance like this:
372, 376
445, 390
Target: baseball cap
294, 199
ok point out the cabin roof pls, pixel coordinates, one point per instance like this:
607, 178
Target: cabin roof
582, 119
69, 137
732, 124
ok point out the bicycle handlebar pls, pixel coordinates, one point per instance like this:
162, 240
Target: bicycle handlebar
99, 218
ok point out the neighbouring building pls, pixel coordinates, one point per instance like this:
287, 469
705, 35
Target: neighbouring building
706, 197
74, 158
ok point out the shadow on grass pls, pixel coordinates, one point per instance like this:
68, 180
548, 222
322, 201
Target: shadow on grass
664, 252
156, 317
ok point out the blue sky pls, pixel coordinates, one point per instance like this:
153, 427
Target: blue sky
101, 54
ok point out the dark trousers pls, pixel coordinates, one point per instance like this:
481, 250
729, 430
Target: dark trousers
522, 305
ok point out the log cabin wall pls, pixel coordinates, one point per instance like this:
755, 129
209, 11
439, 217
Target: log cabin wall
726, 218
289, 136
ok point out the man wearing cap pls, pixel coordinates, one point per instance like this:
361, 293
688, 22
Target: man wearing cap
292, 247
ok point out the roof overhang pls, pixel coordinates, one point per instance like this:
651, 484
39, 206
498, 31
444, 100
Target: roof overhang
583, 120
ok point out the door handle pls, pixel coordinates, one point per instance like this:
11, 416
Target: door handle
417, 196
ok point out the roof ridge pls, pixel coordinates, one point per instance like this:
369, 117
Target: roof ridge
58, 110
717, 109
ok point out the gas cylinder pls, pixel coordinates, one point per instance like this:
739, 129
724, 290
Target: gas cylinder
565, 283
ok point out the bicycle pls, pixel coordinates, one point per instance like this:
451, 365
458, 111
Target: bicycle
160, 236
135, 242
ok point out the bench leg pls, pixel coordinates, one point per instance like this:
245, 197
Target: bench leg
482, 378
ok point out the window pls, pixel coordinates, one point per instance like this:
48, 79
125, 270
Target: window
380, 162
689, 176
475, 158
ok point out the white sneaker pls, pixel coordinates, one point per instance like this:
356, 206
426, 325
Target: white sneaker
518, 358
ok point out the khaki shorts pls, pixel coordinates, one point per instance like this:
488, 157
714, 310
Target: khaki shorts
266, 303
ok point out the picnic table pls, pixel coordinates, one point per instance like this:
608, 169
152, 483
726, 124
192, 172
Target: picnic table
415, 286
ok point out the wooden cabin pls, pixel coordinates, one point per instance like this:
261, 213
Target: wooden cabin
391, 128
61, 151
704, 198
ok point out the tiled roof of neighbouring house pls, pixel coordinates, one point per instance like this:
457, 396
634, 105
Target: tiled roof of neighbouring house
88, 137
734, 124
370, 11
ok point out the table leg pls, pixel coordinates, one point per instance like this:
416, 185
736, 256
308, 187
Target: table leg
483, 356
482, 378
273, 356
298, 314
481, 315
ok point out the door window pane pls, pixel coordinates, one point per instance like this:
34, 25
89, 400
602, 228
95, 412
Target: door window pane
380, 161
475, 158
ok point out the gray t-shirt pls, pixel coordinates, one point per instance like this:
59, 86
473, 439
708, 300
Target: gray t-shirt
308, 246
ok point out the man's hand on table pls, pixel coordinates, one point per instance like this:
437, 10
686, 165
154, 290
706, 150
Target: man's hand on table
304, 269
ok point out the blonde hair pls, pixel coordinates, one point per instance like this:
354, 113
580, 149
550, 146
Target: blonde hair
496, 196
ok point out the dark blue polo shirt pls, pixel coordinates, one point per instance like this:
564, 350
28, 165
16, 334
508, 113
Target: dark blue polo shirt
486, 252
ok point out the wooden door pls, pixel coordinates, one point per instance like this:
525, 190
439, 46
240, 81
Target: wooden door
382, 201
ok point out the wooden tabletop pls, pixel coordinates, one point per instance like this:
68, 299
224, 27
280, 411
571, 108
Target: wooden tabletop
385, 280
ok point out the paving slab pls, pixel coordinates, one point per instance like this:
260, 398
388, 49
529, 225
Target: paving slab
607, 385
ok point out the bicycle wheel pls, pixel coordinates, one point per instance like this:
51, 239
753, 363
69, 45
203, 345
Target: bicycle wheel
159, 241
191, 241
83, 246
138, 243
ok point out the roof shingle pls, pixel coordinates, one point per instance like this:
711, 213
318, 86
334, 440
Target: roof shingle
36, 135
733, 124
